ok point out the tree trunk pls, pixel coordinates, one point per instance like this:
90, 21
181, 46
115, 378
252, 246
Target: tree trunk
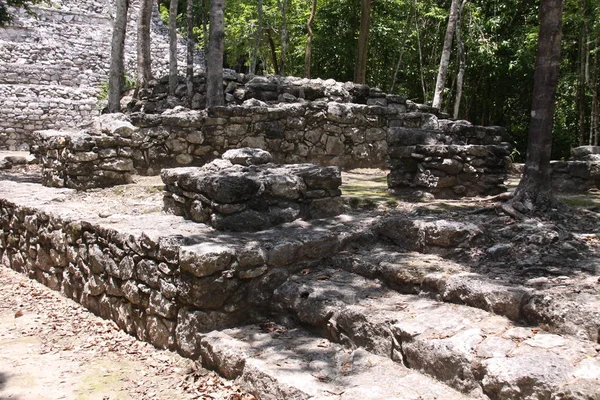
421, 72
534, 192
189, 71
595, 114
284, 36
582, 82
214, 74
144, 61
173, 73
273, 51
259, 32
440, 82
117, 68
309, 39
395, 76
462, 65
204, 29
360, 70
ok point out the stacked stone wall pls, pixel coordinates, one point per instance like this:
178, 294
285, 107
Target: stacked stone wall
164, 290
580, 174
59, 62
455, 161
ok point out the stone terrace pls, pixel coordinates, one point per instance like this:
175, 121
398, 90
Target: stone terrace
309, 307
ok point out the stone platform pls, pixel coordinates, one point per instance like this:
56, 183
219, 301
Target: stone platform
245, 192
346, 307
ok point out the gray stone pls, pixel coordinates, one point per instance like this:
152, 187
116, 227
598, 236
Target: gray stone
248, 156
206, 258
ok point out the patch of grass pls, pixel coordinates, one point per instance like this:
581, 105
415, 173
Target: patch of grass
579, 202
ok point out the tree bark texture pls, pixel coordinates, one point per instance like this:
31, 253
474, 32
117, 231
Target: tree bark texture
144, 60
214, 74
440, 82
462, 63
421, 72
173, 72
117, 69
273, 51
284, 36
360, 70
259, 32
189, 71
534, 192
309, 38
204, 28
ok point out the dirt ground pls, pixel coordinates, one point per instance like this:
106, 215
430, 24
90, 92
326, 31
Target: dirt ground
51, 348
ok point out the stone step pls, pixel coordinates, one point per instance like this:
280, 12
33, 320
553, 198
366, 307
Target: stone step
576, 313
273, 362
57, 73
471, 350
70, 52
8, 159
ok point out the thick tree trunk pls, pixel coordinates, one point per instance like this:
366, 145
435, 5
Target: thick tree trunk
440, 82
259, 33
284, 36
117, 68
144, 61
173, 72
462, 64
214, 74
360, 70
534, 192
309, 38
189, 71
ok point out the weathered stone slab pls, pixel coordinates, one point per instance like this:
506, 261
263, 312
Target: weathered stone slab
280, 363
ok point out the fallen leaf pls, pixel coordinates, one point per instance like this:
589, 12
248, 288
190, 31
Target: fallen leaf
18, 314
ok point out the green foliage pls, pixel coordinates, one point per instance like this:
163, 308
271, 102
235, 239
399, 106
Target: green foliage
500, 39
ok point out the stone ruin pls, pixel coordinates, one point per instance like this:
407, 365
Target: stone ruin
424, 151
244, 191
53, 65
579, 174
457, 160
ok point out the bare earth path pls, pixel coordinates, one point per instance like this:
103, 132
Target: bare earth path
52, 348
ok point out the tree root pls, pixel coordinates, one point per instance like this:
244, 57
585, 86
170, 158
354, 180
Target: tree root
509, 210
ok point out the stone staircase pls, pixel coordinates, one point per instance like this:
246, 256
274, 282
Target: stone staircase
377, 322
51, 69
339, 335
53, 66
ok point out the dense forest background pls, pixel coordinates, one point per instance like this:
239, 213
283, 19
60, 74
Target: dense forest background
405, 42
